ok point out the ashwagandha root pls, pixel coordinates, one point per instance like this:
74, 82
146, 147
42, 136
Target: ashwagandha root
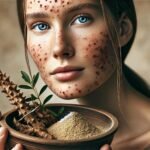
36, 122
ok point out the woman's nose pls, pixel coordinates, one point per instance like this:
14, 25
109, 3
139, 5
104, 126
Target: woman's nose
62, 46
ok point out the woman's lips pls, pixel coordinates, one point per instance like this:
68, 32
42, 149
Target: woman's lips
67, 73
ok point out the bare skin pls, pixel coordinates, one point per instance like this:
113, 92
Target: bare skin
3, 137
82, 41
76, 60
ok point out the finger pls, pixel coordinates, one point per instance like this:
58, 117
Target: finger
18, 147
106, 147
3, 137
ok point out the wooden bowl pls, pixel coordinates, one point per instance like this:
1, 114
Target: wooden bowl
101, 118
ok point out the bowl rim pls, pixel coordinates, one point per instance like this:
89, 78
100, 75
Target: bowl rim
39, 140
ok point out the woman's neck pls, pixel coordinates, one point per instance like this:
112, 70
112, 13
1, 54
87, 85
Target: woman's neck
106, 97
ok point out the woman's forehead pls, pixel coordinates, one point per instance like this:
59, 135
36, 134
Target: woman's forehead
33, 5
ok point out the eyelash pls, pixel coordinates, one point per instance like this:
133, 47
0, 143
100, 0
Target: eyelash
37, 25
88, 19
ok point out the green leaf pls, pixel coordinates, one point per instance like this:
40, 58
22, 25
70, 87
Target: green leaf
25, 87
53, 113
61, 110
26, 77
43, 89
47, 99
35, 79
33, 97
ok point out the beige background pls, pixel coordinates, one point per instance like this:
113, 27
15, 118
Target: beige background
11, 45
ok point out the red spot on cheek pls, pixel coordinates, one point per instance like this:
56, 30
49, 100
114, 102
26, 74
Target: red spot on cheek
85, 38
95, 56
96, 83
45, 58
97, 73
71, 94
46, 7
64, 93
79, 91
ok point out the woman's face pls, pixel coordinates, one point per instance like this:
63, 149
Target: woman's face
68, 40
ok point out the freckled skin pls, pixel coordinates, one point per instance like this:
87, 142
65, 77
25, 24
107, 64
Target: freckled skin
89, 45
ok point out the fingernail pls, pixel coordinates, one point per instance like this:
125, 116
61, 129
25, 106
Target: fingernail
2, 131
17, 147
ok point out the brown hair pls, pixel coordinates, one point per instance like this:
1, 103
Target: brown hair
117, 8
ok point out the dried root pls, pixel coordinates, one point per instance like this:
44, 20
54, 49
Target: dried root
27, 129
36, 121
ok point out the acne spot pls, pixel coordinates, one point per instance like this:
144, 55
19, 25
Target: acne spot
78, 90
39, 45
76, 85
102, 67
95, 56
85, 38
97, 73
71, 94
96, 83
45, 58
89, 45
46, 7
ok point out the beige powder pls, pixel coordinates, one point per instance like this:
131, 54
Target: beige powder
73, 127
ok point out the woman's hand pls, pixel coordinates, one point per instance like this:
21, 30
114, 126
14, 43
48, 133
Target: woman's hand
106, 147
3, 138
4, 134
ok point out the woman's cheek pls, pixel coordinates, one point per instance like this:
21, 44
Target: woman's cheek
39, 55
100, 57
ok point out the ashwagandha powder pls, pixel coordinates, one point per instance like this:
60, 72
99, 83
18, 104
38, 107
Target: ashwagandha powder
73, 127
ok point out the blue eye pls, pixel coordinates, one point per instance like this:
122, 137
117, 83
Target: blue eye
39, 27
82, 20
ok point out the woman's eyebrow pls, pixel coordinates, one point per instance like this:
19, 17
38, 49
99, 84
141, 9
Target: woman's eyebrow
37, 15
83, 6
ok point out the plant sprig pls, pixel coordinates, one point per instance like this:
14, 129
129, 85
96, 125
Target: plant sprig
31, 85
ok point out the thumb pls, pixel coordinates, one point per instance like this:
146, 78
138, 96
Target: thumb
18, 147
106, 147
3, 137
